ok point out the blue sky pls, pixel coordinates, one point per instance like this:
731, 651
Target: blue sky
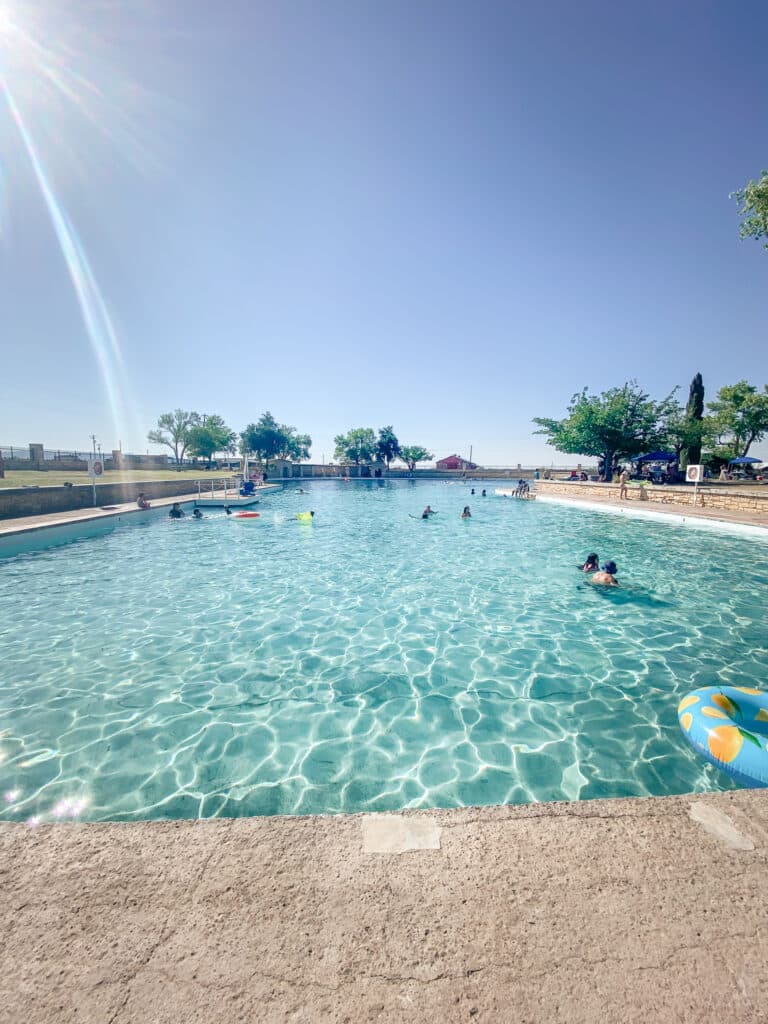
444, 216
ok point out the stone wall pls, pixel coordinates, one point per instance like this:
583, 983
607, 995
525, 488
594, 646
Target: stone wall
34, 501
734, 499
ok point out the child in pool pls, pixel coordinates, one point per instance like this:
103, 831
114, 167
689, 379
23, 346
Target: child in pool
605, 576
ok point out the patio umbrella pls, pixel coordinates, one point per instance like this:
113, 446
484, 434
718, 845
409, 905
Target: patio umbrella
656, 457
744, 460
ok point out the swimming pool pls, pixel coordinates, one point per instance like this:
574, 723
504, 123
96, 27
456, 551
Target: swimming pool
367, 660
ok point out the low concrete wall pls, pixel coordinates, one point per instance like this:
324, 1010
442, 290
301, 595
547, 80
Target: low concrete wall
469, 474
306, 470
35, 501
730, 499
280, 470
64, 465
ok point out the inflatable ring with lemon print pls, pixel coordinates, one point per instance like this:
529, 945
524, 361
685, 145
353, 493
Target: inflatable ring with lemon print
728, 725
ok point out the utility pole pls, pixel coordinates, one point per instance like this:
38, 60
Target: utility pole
93, 468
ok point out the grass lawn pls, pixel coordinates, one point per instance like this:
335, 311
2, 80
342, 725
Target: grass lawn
54, 478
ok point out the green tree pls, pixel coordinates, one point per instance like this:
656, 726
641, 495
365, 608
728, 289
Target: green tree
694, 426
753, 208
173, 431
739, 417
621, 422
387, 446
269, 440
357, 446
413, 453
682, 434
295, 446
209, 436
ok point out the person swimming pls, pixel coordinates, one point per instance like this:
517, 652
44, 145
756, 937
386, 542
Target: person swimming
228, 510
605, 576
466, 514
176, 511
426, 514
483, 495
592, 564
197, 514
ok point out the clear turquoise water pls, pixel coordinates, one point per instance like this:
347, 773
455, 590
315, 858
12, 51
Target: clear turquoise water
367, 661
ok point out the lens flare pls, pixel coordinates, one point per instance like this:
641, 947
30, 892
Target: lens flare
98, 323
56, 64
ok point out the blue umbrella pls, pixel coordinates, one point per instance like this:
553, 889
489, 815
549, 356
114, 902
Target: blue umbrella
744, 460
656, 457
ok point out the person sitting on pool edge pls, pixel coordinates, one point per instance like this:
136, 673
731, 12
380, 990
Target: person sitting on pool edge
592, 564
141, 501
466, 514
176, 511
605, 576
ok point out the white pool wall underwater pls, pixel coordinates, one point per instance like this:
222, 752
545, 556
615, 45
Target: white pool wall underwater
14, 541
672, 518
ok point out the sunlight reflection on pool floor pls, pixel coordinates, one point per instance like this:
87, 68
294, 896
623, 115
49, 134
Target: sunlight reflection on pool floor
366, 661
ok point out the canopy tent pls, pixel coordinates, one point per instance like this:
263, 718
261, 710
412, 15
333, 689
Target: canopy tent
744, 460
656, 457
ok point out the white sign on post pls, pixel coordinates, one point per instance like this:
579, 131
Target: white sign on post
95, 468
694, 475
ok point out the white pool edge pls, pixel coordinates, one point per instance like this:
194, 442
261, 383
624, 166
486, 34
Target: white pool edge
697, 522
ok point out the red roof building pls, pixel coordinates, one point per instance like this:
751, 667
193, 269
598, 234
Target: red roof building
455, 462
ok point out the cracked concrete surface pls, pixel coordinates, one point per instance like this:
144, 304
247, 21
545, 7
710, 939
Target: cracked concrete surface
622, 911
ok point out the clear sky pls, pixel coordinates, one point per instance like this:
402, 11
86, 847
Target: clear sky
444, 216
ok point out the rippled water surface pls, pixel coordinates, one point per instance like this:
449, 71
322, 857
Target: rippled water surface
367, 660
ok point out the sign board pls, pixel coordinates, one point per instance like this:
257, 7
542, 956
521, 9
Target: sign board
95, 467
694, 474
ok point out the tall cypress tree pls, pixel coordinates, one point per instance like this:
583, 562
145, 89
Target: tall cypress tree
694, 413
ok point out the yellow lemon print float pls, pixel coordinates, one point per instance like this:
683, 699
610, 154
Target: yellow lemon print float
724, 702
725, 741
748, 689
686, 702
686, 720
713, 713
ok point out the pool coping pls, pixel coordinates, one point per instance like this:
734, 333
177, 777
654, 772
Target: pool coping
564, 913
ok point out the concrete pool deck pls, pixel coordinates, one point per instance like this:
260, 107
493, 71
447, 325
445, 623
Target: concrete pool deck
629, 910
23, 524
674, 509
